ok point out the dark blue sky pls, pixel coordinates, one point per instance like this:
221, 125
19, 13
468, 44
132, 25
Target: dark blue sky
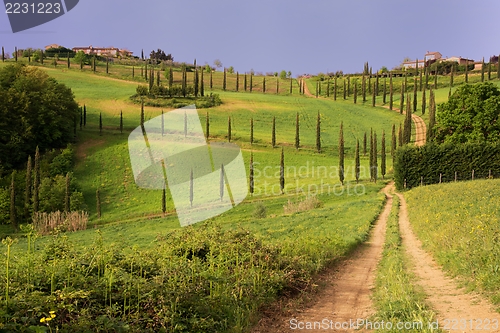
270, 35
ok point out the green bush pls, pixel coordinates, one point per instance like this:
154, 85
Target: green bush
431, 160
4, 206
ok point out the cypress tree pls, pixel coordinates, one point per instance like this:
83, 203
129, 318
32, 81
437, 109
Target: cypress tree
357, 166
224, 80
93, 64
107, 65
452, 74
142, 54
277, 86
405, 76
245, 82
466, 72
291, 86
317, 89
264, 84
415, 96
400, 136
98, 203
376, 84
432, 117
364, 145
27, 190
100, 123
151, 80
202, 85
251, 131
370, 81
391, 92
13, 215
375, 162
282, 171
273, 134
121, 121
133, 71
170, 77
373, 95
328, 87
416, 68
318, 133
427, 69
43, 56
211, 80
424, 101
363, 88
498, 67
15, 53
297, 132
36, 180
348, 86
251, 81
407, 123
341, 153
162, 124
345, 88
251, 175
420, 80
142, 113
3, 54
84, 115
185, 124
436, 78
449, 93
195, 85
29, 55
482, 71
355, 93
489, 70
164, 200
196, 82
207, 126
335, 89
146, 72
384, 98
142, 71
370, 158
402, 100
382, 156
81, 118
229, 129
237, 81
184, 82
67, 194
393, 140
69, 64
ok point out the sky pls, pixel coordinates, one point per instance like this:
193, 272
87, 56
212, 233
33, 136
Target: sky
272, 35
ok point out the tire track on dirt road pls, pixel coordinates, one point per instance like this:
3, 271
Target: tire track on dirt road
443, 294
350, 284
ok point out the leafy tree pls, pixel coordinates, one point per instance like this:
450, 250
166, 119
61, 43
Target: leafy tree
230, 70
159, 55
35, 110
283, 75
341, 153
217, 63
470, 115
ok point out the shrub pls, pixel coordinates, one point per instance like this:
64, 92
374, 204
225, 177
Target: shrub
259, 210
432, 161
308, 203
142, 90
45, 223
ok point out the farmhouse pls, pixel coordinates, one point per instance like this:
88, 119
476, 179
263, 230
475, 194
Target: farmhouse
432, 56
413, 64
52, 46
104, 51
460, 60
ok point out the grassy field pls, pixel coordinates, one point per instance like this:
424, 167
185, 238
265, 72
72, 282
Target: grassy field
458, 223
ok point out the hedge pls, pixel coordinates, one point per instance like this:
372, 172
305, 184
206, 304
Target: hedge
429, 163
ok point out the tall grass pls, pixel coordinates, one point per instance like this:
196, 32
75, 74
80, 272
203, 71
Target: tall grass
458, 224
45, 223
